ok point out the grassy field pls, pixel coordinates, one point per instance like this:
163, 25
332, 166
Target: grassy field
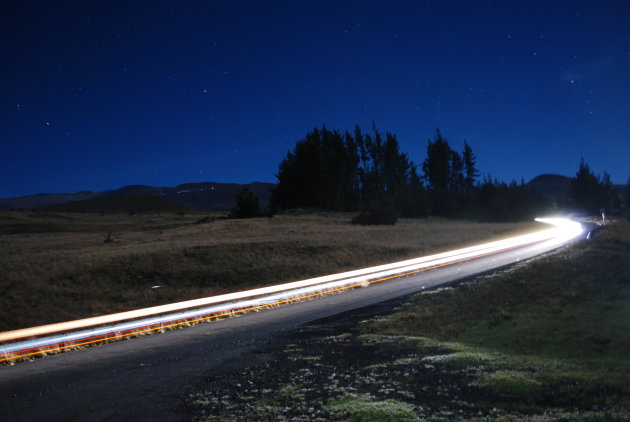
547, 340
57, 266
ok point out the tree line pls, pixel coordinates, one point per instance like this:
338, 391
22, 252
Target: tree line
366, 172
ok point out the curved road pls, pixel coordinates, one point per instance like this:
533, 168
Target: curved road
140, 379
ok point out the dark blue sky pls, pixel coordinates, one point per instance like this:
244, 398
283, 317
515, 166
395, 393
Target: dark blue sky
101, 94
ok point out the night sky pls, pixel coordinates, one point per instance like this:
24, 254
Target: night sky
101, 94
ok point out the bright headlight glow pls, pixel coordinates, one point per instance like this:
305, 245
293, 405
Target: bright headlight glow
563, 223
567, 229
111, 326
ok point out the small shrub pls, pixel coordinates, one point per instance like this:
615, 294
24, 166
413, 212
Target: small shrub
378, 213
247, 205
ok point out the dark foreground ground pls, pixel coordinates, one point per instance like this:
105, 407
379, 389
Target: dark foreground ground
330, 371
548, 340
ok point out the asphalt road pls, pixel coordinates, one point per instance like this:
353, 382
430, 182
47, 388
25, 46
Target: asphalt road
141, 379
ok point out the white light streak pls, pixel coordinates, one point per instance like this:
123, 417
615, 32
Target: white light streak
563, 231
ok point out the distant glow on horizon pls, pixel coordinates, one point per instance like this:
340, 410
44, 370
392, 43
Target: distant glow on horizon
563, 231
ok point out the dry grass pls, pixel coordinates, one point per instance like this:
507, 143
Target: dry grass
56, 267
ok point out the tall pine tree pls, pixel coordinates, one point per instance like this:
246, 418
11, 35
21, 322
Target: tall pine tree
470, 170
438, 174
436, 167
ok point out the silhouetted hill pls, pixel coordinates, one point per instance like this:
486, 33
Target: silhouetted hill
42, 200
551, 186
201, 196
120, 204
207, 196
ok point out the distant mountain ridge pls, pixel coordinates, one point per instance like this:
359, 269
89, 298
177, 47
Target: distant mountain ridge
206, 196
553, 187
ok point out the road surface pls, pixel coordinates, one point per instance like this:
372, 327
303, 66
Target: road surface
141, 379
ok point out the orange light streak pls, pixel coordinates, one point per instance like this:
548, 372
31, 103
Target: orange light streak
173, 307
144, 330
565, 230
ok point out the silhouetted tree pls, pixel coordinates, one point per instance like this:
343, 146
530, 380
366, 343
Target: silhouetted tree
626, 199
321, 172
438, 174
436, 167
470, 169
246, 205
590, 193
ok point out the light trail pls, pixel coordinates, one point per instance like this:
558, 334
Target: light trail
110, 327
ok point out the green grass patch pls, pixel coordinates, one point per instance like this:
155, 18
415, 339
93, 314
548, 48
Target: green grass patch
513, 385
365, 408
